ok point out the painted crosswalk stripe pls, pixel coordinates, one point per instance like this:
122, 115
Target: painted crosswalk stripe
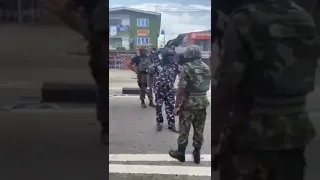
152, 157
164, 170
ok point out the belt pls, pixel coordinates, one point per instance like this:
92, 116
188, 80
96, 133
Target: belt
279, 106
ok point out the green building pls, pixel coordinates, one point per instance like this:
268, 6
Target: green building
130, 28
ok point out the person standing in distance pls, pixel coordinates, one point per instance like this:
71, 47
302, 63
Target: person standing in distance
192, 102
267, 68
163, 74
142, 64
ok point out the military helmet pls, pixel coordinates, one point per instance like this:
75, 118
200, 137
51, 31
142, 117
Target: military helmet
192, 51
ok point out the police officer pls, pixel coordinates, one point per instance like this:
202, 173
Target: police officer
142, 63
267, 68
164, 74
191, 102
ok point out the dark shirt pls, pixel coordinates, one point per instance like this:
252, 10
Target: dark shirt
136, 60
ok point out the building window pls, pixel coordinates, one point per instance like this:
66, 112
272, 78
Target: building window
142, 22
143, 40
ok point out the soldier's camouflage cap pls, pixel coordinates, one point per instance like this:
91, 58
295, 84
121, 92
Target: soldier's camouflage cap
192, 51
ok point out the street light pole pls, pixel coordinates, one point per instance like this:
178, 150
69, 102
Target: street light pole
164, 38
163, 32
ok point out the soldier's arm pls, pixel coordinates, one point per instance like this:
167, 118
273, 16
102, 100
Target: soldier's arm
228, 75
132, 63
184, 79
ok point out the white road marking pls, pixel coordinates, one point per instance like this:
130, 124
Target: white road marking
115, 88
152, 157
167, 170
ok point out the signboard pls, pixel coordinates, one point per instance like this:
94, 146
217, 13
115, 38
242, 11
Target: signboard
143, 32
123, 28
201, 35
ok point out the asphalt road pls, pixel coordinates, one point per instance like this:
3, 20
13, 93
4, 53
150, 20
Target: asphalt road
139, 136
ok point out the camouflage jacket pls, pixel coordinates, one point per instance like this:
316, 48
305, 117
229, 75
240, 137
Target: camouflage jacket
244, 39
190, 78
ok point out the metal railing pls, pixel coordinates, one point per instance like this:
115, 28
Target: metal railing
119, 61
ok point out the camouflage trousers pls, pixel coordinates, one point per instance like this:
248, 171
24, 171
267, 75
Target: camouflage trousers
195, 118
102, 104
142, 83
264, 165
166, 96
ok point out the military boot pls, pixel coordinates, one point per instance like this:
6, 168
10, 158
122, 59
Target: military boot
159, 126
178, 154
172, 127
143, 104
151, 104
196, 155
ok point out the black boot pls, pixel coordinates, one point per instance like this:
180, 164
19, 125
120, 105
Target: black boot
179, 154
151, 104
159, 127
172, 127
143, 104
196, 155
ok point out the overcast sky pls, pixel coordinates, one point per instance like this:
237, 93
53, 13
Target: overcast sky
176, 15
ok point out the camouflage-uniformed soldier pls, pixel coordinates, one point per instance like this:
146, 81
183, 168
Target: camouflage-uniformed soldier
164, 74
92, 24
267, 67
142, 62
191, 102
154, 54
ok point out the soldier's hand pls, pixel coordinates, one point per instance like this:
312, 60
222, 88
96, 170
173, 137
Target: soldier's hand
149, 90
176, 111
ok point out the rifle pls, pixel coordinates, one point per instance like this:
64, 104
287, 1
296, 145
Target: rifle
222, 144
224, 138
